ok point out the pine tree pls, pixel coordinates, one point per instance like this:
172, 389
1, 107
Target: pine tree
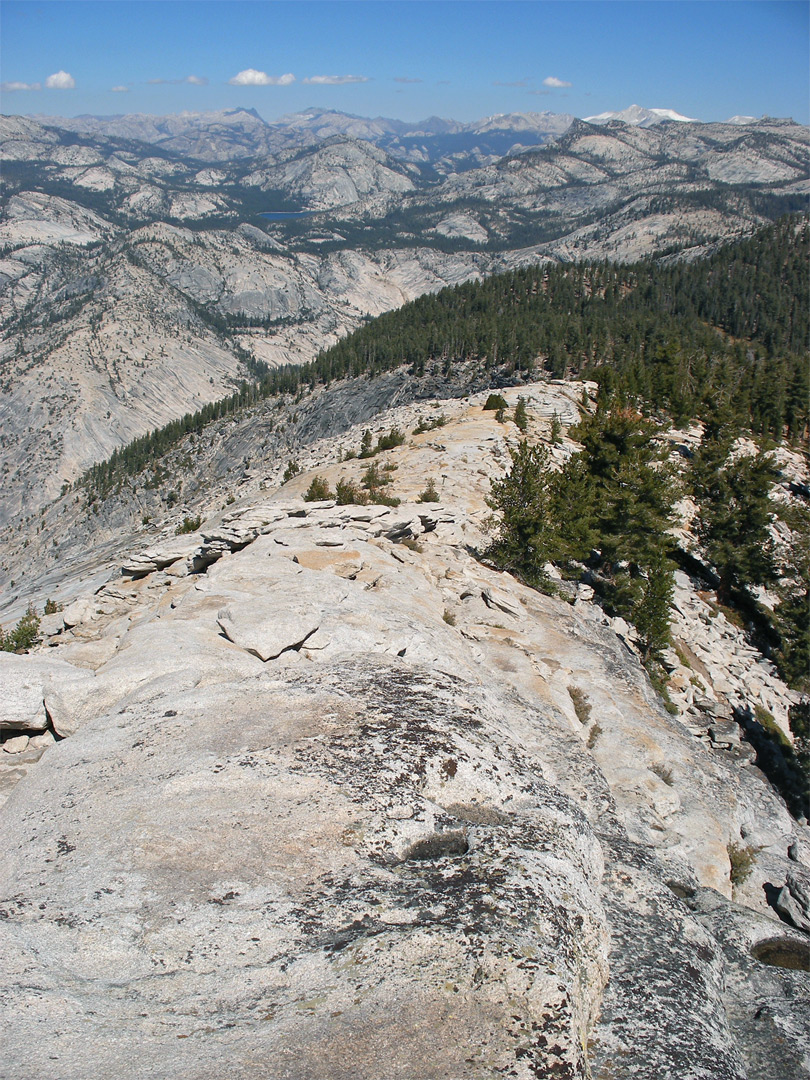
573, 497
734, 516
632, 486
24, 635
366, 447
318, 490
792, 613
524, 540
556, 429
650, 615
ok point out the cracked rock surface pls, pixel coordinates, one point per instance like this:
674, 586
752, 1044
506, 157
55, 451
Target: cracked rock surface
314, 793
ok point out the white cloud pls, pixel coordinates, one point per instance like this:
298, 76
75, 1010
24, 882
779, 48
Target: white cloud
197, 80
556, 83
10, 87
61, 80
119, 89
334, 80
403, 80
251, 77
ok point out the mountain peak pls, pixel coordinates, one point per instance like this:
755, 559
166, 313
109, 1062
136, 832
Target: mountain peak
239, 110
639, 116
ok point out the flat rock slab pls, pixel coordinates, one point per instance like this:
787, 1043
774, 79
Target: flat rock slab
50, 625
725, 732
263, 630
22, 707
343, 563
78, 612
145, 562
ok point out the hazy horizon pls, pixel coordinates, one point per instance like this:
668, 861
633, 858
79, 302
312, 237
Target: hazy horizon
407, 59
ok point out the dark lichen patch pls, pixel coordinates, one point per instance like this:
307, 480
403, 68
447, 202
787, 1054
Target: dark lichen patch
389, 737
546, 1051
478, 815
348, 935
439, 846
682, 891
481, 897
220, 900
399, 726
783, 953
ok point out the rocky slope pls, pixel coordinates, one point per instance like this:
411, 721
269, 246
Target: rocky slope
135, 283
102, 345
116, 354
627, 192
338, 173
313, 792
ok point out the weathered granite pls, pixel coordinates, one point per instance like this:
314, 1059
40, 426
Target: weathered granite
793, 901
27, 681
16, 744
263, 630
451, 832
273, 860
766, 987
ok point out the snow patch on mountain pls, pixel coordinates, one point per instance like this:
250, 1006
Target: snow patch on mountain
641, 117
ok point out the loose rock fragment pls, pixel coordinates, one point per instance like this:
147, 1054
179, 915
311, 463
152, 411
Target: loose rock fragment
266, 633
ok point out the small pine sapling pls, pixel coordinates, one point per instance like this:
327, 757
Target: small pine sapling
318, 490
430, 494
555, 436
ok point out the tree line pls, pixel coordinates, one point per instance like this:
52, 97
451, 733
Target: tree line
730, 330
727, 334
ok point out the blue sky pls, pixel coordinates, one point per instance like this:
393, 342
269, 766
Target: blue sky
406, 58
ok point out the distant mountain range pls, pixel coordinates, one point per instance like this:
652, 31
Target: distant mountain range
239, 133
445, 145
